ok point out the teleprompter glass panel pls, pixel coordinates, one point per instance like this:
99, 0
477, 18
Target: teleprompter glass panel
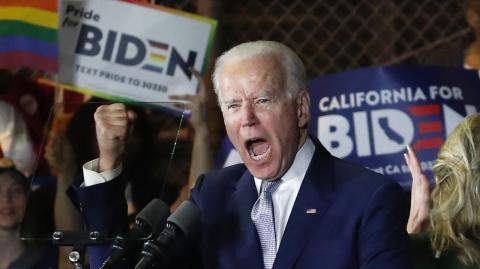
156, 148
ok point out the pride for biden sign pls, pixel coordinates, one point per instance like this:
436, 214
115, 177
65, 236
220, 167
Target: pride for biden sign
122, 50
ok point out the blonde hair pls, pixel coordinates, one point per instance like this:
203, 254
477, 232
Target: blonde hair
455, 201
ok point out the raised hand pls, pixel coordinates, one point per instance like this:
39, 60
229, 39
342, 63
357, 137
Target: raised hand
202, 156
196, 103
420, 195
59, 154
113, 126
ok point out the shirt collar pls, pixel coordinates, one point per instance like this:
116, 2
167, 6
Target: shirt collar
299, 166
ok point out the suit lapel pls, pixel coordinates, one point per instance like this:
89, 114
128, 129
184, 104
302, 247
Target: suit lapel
248, 253
312, 201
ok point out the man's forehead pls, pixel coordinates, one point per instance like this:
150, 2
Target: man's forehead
271, 58
240, 95
260, 69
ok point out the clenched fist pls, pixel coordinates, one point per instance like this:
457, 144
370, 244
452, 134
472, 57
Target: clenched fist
113, 126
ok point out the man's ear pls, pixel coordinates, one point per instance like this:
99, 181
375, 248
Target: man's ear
303, 108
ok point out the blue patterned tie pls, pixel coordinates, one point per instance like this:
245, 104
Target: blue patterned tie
262, 217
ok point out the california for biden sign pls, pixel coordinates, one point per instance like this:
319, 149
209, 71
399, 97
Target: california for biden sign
131, 51
369, 116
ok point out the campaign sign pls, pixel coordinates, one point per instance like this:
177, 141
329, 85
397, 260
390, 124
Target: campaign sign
131, 51
369, 116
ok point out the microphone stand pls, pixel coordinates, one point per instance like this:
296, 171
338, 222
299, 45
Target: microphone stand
79, 240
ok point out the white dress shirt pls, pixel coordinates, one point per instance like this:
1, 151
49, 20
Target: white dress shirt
286, 193
91, 176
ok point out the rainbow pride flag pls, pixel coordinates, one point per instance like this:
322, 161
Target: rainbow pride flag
28, 34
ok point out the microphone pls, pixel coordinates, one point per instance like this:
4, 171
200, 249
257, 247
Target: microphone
148, 223
183, 224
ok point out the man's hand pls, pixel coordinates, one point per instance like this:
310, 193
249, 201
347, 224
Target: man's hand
113, 125
420, 195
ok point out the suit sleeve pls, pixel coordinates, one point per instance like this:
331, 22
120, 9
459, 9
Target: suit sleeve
197, 251
384, 242
104, 209
195, 193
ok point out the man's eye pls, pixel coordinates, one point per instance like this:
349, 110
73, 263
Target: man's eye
232, 106
262, 100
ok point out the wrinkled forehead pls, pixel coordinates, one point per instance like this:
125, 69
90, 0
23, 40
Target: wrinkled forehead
264, 70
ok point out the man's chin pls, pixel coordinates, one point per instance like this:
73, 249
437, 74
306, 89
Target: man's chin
261, 169
261, 173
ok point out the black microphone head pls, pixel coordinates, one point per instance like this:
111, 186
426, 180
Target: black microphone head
150, 221
186, 217
154, 214
182, 226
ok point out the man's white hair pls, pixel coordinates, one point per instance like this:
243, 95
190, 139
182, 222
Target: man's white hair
296, 79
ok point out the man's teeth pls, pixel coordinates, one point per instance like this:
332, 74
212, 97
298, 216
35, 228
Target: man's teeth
258, 157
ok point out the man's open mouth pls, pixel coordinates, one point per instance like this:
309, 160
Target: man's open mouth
258, 148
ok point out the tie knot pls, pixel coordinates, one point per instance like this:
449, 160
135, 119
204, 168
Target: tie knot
270, 186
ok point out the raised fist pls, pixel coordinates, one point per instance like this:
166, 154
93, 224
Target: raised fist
113, 126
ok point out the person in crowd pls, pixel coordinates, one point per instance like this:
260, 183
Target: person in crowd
450, 215
202, 154
14, 253
32, 101
290, 204
15, 143
61, 159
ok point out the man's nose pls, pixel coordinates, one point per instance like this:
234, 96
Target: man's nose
248, 115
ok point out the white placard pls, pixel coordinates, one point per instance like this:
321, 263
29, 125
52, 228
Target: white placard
125, 51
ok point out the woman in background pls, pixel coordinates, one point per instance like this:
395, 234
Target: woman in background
14, 253
450, 215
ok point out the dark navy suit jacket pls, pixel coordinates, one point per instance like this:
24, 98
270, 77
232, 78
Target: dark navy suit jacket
359, 219
345, 216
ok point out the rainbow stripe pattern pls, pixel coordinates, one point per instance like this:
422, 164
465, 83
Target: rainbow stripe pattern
28, 34
157, 58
